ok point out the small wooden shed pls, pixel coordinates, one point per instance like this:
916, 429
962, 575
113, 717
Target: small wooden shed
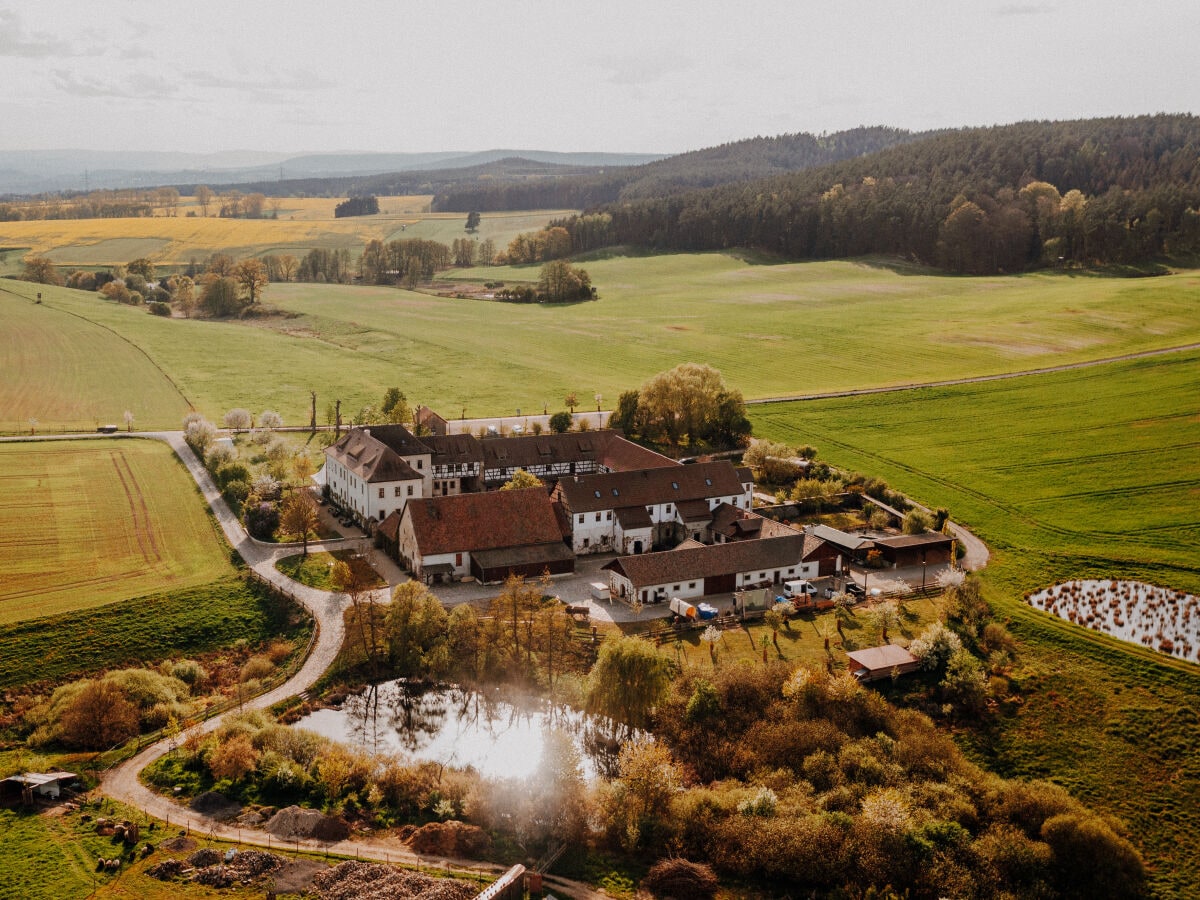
874, 663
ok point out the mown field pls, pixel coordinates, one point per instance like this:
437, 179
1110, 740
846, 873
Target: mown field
85, 523
1090, 473
302, 225
63, 369
772, 330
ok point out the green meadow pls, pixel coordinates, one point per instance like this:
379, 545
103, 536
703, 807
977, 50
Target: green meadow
771, 329
1089, 473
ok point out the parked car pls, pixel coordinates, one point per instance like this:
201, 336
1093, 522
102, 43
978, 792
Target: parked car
799, 590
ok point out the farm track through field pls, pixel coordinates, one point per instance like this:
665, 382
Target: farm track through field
975, 379
137, 509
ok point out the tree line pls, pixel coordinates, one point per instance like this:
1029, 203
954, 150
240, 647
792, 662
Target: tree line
1107, 191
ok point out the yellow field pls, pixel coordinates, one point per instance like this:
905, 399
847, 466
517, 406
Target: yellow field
303, 225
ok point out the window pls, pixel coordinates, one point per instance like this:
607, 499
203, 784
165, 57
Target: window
597, 517
581, 518
597, 495
708, 481
458, 559
381, 493
608, 515
675, 485
675, 588
410, 490
791, 571
586, 541
396, 491
668, 509
691, 584
762, 575
420, 463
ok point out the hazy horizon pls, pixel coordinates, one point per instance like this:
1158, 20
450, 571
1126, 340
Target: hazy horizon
668, 77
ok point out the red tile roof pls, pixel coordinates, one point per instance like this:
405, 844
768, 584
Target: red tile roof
647, 487
470, 522
692, 563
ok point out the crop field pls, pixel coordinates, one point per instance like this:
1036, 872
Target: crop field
302, 225
1092, 473
86, 523
771, 329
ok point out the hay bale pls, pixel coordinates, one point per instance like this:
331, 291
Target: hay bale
680, 879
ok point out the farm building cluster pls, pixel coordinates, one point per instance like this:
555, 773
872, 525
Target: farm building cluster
434, 504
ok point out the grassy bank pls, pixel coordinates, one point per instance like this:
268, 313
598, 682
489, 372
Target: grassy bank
1092, 473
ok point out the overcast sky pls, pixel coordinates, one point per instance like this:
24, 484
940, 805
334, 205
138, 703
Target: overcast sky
612, 75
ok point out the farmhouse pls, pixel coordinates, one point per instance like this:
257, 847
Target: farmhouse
874, 663
371, 477
553, 456
489, 536
700, 570
630, 512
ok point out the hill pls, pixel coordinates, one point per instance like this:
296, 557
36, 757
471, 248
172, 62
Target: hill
1108, 191
745, 160
42, 171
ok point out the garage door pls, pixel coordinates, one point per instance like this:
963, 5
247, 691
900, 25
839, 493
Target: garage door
720, 584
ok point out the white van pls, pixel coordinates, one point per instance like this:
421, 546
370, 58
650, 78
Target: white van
799, 589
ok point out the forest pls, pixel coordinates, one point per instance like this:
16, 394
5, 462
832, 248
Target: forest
1100, 191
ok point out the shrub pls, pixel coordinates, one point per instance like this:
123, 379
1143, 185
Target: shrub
256, 667
262, 520
218, 456
158, 308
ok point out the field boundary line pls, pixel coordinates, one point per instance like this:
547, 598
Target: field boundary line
149, 358
973, 379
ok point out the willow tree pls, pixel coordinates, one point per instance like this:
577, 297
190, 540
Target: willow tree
630, 678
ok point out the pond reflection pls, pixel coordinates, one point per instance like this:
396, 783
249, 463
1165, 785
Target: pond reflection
501, 737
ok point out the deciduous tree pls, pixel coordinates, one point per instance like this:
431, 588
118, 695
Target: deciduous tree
629, 679
41, 270
251, 275
300, 516
99, 717
522, 479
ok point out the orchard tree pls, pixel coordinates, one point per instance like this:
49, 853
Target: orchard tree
238, 419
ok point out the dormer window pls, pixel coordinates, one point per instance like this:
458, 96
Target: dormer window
597, 495
708, 481
675, 485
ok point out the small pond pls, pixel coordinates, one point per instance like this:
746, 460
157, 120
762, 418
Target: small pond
1160, 618
460, 727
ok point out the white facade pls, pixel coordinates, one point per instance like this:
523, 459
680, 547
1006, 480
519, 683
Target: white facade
600, 532
369, 500
410, 554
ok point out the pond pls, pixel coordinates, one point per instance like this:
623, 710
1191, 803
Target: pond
460, 727
1159, 618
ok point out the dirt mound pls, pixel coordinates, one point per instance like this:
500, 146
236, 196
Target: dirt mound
179, 844
296, 876
680, 879
209, 856
375, 881
293, 823
168, 869
449, 839
215, 805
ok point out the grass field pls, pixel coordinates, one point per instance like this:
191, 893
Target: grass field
1091, 473
175, 623
772, 330
302, 226
64, 370
85, 523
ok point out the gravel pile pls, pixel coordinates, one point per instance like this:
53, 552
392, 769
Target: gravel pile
292, 823
373, 881
252, 863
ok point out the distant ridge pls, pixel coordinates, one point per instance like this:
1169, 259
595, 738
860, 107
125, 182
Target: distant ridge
42, 171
